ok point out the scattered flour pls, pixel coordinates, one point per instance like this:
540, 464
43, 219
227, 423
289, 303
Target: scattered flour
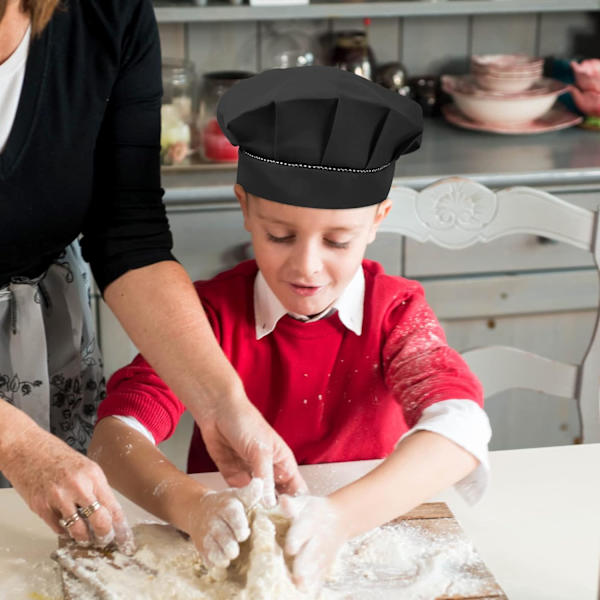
403, 560
407, 561
27, 581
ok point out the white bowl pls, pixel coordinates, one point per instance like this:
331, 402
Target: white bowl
502, 108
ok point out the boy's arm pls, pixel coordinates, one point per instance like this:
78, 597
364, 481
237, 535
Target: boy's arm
422, 372
422, 465
216, 521
139, 470
434, 386
172, 331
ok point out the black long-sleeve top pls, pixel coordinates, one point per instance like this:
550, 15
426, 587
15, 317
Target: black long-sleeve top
82, 156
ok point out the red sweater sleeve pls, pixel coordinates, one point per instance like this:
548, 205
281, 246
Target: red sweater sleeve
420, 368
137, 391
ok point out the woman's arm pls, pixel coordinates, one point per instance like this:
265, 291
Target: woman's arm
216, 521
127, 241
159, 308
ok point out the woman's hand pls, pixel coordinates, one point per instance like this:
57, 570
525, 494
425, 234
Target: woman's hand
59, 484
244, 445
316, 534
218, 522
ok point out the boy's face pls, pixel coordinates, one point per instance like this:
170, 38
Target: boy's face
308, 255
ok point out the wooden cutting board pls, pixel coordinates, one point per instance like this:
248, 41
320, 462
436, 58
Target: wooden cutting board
77, 580
432, 517
438, 518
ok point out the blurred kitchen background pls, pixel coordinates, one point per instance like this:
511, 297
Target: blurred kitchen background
521, 291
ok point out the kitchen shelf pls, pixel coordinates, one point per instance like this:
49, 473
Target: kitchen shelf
189, 12
559, 160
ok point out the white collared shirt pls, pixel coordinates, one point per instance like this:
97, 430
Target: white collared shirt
268, 309
462, 421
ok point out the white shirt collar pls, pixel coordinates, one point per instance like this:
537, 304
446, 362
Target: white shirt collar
350, 305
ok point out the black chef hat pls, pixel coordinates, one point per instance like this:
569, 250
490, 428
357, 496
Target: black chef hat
318, 136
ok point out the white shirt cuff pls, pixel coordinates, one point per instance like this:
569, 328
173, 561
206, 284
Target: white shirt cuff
467, 425
135, 424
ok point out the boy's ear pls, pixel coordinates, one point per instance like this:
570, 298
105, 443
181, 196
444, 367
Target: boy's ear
383, 209
242, 196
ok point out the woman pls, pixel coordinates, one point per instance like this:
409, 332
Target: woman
80, 98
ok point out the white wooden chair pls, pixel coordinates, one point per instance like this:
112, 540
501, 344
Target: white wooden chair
456, 213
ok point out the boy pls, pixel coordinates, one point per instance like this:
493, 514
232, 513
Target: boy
345, 362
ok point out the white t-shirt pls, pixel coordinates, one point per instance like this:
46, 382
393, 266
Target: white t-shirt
12, 73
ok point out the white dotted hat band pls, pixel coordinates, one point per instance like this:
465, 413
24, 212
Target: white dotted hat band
320, 167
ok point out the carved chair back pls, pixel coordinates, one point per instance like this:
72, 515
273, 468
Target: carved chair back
456, 213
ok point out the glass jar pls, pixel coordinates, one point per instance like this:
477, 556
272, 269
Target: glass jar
285, 49
177, 111
352, 52
214, 146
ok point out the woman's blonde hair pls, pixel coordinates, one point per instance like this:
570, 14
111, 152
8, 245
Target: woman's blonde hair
40, 11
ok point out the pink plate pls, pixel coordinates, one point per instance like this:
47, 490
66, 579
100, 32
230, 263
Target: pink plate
555, 119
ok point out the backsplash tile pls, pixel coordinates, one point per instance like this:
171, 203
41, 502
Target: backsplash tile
503, 34
565, 35
432, 45
219, 46
172, 39
425, 45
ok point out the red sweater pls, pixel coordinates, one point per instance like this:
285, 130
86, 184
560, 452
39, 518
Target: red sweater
332, 395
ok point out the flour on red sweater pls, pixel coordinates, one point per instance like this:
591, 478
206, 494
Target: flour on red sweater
332, 395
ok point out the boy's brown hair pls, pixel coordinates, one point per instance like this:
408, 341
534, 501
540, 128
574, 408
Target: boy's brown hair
40, 11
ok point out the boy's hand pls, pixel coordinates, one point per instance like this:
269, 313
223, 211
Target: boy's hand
244, 445
218, 522
314, 538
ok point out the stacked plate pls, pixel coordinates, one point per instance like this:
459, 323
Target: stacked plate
510, 73
506, 93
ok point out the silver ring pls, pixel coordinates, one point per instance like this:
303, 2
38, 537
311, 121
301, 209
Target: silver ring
88, 511
66, 523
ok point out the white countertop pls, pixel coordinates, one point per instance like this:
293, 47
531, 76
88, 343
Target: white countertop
537, 528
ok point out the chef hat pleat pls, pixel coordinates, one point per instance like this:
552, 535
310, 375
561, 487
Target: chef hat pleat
318, 136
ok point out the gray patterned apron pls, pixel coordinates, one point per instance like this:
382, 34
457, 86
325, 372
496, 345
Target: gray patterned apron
50, 363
